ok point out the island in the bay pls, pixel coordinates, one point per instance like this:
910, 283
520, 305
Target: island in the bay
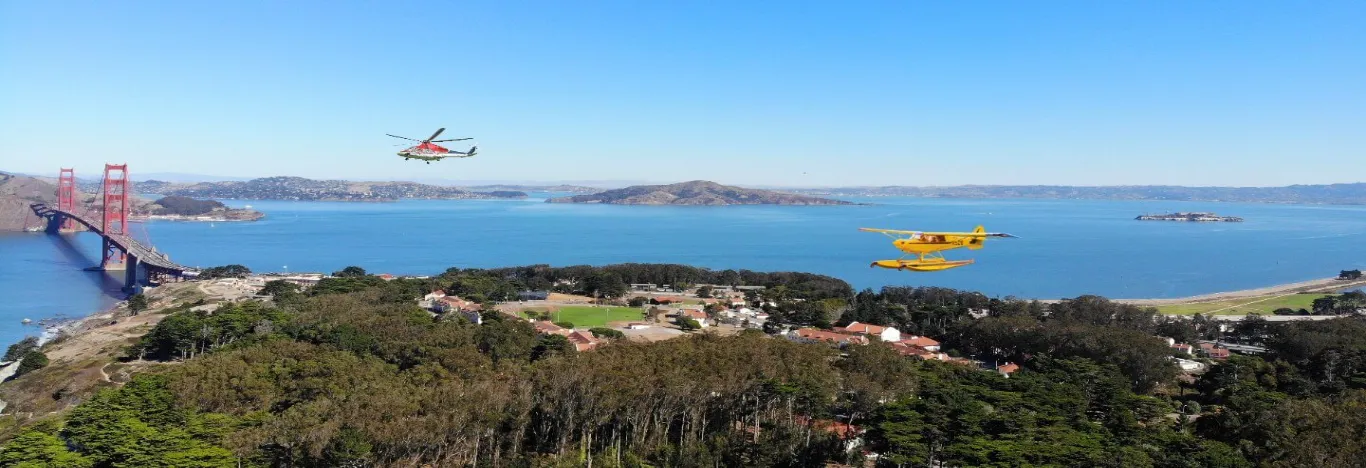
301, 189
177, 208
1190, 216
697, 192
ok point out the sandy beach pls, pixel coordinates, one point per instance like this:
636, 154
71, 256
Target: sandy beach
1325, 285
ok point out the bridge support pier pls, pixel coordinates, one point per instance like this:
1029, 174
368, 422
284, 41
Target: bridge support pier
114, 258
130, 273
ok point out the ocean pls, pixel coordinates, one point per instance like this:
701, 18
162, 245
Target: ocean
1065, 248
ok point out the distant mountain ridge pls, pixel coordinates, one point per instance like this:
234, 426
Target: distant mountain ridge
1335, 194
299, 188
697, 192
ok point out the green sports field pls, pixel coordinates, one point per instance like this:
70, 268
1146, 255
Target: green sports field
588, 316
1262, 305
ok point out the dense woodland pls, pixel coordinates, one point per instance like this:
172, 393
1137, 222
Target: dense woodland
352, 373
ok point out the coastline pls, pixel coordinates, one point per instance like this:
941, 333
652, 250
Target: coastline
1323, 285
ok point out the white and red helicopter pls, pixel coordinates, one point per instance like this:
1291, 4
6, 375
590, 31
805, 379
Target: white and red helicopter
428, 150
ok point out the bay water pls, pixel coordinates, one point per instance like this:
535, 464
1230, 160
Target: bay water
1065, 248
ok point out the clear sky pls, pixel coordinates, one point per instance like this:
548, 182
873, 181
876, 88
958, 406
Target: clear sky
754, 93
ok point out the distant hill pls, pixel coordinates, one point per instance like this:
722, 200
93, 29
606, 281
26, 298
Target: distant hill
697, 192
1337, 194
298, 188
16, 194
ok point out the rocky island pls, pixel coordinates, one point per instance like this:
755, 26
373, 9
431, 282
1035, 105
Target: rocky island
176, 208
697, 192
1193, 216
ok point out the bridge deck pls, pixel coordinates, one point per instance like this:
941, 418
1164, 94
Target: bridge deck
150, 258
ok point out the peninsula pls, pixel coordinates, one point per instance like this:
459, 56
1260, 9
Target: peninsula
1191, 216
697, 192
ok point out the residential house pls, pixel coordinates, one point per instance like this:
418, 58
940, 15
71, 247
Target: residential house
816, 335
886, 334
456, 304
544, 327
923, 342
1007, 368
1214, 351
695, 314
583, 341
474, 316
1185, 348
386, 277
911, 351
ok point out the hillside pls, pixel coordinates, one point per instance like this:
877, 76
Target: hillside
698, 192
298, 188
1334, 194
16, 194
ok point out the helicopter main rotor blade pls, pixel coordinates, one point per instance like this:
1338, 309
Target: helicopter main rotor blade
452, 139
433, 137
405, 138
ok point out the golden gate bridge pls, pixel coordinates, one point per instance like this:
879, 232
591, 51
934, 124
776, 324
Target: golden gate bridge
119, 251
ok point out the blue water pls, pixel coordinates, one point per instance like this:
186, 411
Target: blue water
1066, 247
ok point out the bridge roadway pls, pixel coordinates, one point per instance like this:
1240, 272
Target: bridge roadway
150, 259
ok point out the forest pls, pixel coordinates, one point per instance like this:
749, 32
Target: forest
352, 373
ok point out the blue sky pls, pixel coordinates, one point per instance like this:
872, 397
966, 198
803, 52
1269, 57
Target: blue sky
754, 93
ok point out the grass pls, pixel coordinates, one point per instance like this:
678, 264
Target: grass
589, 316
1243, 306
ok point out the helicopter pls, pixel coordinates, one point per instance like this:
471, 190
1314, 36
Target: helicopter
928, 248
428, 150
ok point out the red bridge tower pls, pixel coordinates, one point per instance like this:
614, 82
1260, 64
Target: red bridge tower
116, 206
66, 196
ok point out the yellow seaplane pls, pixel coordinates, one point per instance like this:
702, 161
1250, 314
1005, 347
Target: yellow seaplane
927, 248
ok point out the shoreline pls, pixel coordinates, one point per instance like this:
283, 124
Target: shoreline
1322, 285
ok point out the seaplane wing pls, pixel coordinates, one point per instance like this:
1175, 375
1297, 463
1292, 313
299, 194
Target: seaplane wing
968, 234
930, 233
890, 231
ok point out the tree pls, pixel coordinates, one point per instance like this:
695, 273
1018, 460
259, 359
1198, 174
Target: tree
33, 360
551, 345
18, 350
1350, 274
34, 449
603, 332
687, 324
638, 301
280, 290
563, 324
350, 272
704, 291
1326, 305
225, 271
137, 303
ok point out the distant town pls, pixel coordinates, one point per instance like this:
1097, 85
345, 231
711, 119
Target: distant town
1192, 216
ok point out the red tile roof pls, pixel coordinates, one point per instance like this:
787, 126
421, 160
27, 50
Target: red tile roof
544, 326
909, 350
862, 328
1009, 367
694, 314
829, 336
921, 341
